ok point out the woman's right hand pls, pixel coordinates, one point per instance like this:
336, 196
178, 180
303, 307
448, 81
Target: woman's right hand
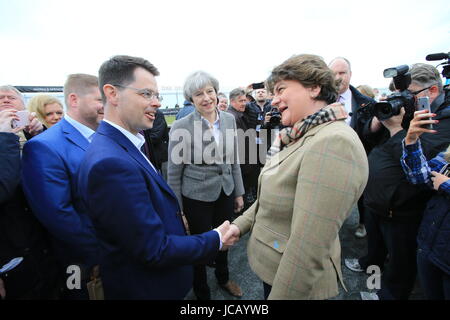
415, 127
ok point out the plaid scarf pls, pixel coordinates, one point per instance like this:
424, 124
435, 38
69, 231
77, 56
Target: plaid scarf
290, 135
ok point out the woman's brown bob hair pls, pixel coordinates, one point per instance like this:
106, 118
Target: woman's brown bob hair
311, 71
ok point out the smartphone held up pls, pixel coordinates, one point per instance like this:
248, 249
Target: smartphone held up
423, 103
24, 119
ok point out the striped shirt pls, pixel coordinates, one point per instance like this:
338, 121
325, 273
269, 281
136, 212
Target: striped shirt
418, 169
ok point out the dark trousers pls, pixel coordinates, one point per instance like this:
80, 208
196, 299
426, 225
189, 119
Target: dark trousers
434, 282
376, 249
267, 289
361, 209
398, 240
202, 217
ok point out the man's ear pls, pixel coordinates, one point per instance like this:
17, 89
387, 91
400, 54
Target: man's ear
73, 100
434, 91
111, 94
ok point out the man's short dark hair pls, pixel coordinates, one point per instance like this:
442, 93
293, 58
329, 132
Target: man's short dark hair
236, 93
119, 70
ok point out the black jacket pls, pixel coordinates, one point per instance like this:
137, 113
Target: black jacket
247, 148
157, 139
388, 192
434, 231
357, 122
21, 235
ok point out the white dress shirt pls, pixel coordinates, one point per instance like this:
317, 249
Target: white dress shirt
346, 100
137, 140
215, 128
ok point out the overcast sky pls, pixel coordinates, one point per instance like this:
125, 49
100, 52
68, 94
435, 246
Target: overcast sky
237, 41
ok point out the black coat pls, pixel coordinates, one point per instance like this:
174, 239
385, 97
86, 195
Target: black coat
357, 122
247, 149
434, 231
157, 140
21, 235
388, 192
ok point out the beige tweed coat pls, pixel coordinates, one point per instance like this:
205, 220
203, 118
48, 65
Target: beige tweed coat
305, 193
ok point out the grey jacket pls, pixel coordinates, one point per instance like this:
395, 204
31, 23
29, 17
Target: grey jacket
198, 167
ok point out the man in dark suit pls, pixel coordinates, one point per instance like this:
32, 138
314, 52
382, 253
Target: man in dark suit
353, 100
144, 250
50, 162
247, 146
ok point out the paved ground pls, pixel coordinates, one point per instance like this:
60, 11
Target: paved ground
252, 286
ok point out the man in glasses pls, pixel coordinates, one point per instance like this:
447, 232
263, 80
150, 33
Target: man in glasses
50, 163
394, 206
145, 251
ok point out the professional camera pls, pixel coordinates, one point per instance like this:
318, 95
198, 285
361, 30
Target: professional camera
275, 117
392, 105
445, 71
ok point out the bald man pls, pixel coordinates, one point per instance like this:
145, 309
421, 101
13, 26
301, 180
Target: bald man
353, 100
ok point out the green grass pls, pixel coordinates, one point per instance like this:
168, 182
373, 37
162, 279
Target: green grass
169, 120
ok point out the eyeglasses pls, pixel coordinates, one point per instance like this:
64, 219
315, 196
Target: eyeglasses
146, 93
419, 91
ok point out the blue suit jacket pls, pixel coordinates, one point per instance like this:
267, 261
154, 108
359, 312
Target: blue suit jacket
50, 163
145, 253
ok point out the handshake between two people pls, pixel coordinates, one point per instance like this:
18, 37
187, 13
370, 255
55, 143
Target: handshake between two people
230, 234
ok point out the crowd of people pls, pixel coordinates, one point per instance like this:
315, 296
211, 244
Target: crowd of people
109, 190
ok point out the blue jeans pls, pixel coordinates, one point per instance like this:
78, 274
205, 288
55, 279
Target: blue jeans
434, 282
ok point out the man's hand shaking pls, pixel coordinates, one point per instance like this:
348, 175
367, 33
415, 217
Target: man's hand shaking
230, 234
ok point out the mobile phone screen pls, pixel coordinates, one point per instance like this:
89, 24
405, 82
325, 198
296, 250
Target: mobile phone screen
23, 119
423, 103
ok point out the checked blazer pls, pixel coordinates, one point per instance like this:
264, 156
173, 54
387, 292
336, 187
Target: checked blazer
305, 192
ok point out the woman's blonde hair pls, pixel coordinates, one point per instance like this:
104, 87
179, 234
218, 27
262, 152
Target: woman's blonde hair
37, 104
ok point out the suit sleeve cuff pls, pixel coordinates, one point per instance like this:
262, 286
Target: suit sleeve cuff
220, 238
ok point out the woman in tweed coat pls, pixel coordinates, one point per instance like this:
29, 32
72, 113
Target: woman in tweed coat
316, 171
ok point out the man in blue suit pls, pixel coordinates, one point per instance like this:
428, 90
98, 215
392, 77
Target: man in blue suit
145, 252
50, 163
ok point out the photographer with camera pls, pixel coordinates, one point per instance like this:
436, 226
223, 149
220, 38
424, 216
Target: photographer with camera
261, 115
433, 262
394, 207
247, 139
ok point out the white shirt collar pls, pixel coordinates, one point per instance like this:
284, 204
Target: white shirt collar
137, 140
215, 127
85, 131
216, 122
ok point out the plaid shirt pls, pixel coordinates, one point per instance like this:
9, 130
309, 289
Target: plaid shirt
418, 170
